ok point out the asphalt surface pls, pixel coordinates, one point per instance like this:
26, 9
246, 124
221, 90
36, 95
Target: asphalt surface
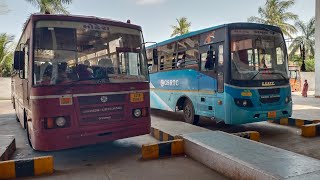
284, 137
112, 160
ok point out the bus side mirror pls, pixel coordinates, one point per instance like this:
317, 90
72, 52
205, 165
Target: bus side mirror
18, 63
155, 56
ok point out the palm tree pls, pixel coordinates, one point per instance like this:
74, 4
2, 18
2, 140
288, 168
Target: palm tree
182, 27
6, 53
51, 6
307, 38
275, 13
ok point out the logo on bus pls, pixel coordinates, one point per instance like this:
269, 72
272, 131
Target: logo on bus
268, 84
169, 83
104, 99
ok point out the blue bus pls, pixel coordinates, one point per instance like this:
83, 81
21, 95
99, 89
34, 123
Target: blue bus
236, 73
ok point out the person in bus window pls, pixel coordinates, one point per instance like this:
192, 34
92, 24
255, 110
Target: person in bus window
62, 72
46, 78
210, 60
181, 62
263, 59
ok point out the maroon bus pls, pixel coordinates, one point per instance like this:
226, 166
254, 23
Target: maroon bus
80, 80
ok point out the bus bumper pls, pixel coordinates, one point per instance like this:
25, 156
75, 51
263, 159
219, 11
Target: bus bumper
250, 115
52, 140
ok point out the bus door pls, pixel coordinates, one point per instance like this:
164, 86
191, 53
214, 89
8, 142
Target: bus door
25, 81
207, 84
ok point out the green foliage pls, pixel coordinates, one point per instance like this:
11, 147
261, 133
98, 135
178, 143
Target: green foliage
275, 12
310, 65
307, 38
51, 6
310, 62
182, 27
6, 54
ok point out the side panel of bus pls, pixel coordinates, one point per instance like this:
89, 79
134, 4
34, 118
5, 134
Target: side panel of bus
22, 80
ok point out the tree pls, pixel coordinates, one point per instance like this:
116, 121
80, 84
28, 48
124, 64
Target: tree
6, 54
182, 27
51, 6
275, 13
306, 39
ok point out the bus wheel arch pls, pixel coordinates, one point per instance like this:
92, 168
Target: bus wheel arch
184, 103
181, 101
26, 126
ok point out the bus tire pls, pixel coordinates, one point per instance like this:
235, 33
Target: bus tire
189, 113
17, 118
28, 135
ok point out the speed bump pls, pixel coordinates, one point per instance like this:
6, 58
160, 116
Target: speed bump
26, 167
163, 149
311, 130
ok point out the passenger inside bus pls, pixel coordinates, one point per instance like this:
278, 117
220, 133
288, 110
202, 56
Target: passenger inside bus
83, 72
263, 59
62, 73
47, 74
181, 62
210, 59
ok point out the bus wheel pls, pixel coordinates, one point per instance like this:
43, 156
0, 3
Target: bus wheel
189, 114
28, 135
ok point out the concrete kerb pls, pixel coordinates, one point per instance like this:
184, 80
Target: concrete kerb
294, 122
7, 147
26, 167
309, 128
163, 149
163, 136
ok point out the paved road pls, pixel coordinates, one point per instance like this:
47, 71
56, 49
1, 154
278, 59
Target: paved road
275, 135
111, 160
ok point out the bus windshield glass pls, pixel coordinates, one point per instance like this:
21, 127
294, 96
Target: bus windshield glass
258, 55
70, 52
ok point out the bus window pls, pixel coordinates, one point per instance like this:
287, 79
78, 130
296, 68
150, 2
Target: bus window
208, 58
191, 59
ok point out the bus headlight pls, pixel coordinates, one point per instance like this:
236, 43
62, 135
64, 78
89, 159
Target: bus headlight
243, 102
61, 121
288, 99
137, 113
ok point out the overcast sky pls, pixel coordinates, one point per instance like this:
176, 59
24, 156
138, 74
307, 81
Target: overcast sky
155, 16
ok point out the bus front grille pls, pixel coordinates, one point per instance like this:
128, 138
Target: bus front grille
269, 91
270, 100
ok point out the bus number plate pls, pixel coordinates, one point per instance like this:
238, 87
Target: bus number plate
272, 114
136, 97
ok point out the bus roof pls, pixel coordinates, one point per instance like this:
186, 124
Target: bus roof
89, 19
193, 33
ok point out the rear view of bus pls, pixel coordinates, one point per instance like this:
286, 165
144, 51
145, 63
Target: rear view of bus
84, 80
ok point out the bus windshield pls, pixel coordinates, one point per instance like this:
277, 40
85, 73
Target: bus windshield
69, 52
258, 55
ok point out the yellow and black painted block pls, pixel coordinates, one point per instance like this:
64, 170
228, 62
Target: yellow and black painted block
252, 135
163, 149
293, 122
311, 130
26, 167
160, 135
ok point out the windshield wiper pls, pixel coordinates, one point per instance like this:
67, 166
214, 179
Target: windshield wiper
255, 76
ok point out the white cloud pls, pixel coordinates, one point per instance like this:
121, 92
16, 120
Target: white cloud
149, 2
